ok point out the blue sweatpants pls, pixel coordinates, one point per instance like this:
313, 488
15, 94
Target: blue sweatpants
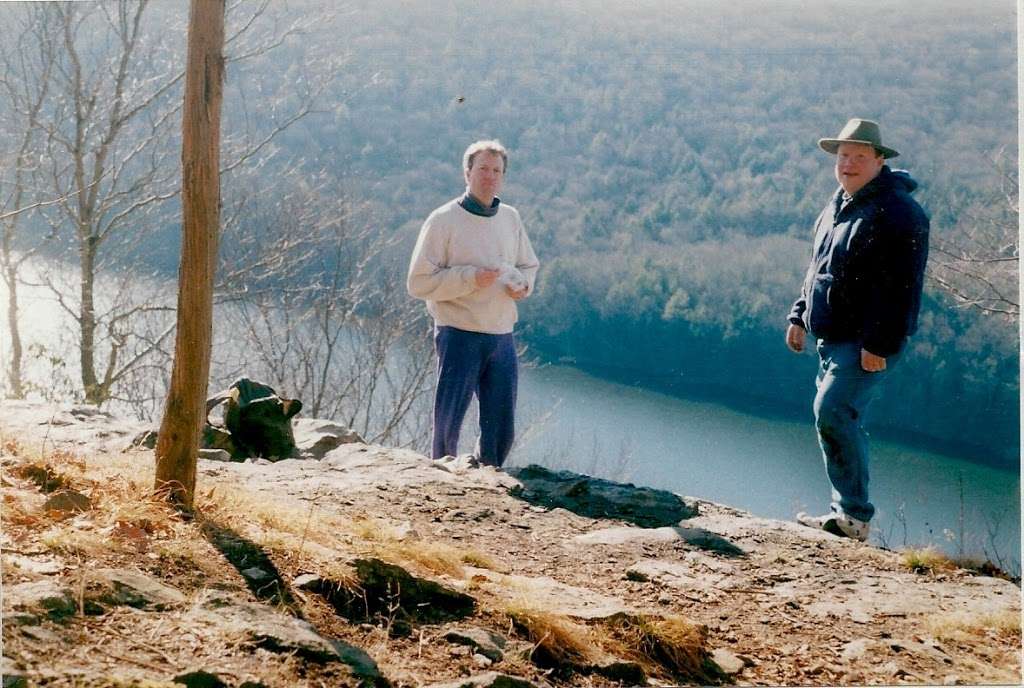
471, 363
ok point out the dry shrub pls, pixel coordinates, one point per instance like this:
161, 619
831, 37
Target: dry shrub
437, 557
69, 539
557, 639
46, 478
482, 560
669, 644
956, 626
16, 512
926, 560
11, 447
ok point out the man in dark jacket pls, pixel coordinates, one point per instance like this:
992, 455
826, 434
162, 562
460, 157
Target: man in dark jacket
860, 299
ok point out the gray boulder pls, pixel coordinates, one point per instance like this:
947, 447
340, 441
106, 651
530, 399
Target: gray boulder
314, 437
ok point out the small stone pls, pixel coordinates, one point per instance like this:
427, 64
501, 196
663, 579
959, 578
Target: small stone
638, 576
200, 679
214, 455
727, 661
256, 574
665, 599
362, 665
855, 649
67, 502
859, 616
307, 581
481, 661
42, 634
482, 641
952, 680
629, 673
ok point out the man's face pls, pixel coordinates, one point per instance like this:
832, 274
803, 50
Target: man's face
856, 165
484, 178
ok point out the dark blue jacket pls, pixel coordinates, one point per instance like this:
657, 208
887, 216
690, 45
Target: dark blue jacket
867, 267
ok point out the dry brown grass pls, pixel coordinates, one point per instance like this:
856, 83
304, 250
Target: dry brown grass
482, 560
926, 560
661, 645
1005, 624
392, 543
557, 639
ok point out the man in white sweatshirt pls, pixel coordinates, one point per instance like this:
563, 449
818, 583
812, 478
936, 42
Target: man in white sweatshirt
472, 263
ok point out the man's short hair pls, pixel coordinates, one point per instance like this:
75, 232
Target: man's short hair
488, 145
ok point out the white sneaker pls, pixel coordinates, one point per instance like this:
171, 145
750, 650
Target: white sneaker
837, 524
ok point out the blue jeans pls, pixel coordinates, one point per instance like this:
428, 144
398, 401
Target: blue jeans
844, 392
484, 365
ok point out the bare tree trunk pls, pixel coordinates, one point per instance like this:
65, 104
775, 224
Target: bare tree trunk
14, 378
178, 440
87, 323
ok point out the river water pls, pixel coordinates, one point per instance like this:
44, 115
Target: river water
771, 467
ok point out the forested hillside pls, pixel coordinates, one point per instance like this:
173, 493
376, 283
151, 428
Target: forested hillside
664, 159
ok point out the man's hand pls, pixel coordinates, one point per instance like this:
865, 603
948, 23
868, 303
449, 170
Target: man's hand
870, 362
516, 295
485, 277
795, 337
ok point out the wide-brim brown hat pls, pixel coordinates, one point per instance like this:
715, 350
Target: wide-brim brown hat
858, 131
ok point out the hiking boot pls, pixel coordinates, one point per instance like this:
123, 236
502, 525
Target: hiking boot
837, 524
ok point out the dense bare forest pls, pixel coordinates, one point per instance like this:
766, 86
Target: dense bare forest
663, 158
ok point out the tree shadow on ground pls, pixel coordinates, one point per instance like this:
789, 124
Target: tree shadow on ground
253, 564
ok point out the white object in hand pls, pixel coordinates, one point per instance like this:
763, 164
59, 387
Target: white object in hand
512, 278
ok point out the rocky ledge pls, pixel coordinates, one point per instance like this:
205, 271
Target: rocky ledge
365, 565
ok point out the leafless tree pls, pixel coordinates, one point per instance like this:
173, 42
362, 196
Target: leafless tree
26, 68
182, 423
317, 312
108, 128
978, 260
104, 143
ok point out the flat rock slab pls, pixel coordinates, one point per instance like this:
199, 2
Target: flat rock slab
40, 596
79, 425
869, 596
597, 498
698, 537
552, 596
43, 566
135, 589
491, 679
625, 535
678, 575
272, 630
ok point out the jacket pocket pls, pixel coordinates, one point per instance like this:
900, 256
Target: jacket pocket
819, 304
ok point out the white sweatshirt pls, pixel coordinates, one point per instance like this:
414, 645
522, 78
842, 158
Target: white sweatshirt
452, 244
